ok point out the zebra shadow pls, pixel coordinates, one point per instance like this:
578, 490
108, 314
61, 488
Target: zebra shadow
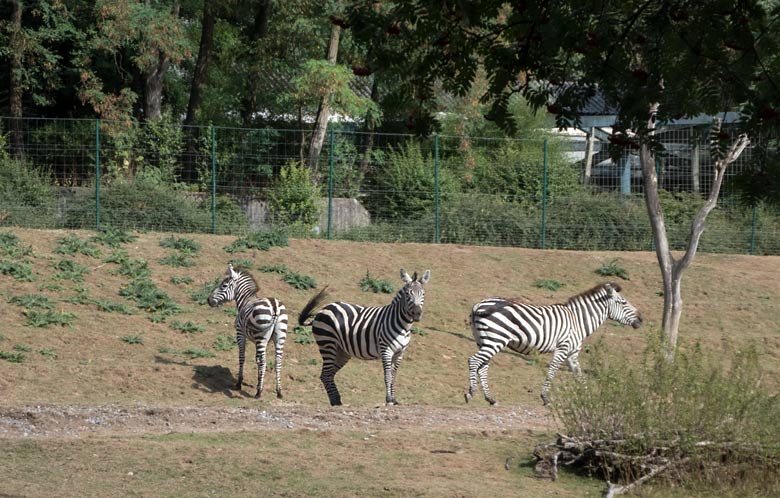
210, 379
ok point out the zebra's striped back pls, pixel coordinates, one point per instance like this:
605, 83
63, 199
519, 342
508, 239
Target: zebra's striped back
345, 330
558, 328
257, 319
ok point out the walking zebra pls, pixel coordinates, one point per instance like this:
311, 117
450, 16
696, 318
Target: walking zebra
558, 329
257, 319
343, 331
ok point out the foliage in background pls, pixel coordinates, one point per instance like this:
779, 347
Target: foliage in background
259, 239
27, 195
612, 268
375, 285
293, 197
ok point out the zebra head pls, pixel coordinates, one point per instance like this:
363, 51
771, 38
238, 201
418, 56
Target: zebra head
413, 294
619, 309
226, 291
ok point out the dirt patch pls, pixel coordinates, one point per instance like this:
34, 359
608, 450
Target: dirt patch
72, 421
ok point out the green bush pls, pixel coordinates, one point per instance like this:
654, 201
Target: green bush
260, 239
230, 218
293, 197
708, 407
138, 204
403, 187
27, 197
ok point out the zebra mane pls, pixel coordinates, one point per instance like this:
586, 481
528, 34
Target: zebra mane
595, 290
251, 277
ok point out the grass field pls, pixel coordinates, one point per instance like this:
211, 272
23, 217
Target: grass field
169, 425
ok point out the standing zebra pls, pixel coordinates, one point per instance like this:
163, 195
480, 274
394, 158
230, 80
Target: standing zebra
557, 328
257, 319
345, 330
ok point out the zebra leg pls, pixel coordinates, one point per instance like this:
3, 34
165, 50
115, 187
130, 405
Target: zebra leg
260, 359
482, 372
279, 337
241, 341
387, 364
558, 357
476, 363
332, 362
395, 363
574, 365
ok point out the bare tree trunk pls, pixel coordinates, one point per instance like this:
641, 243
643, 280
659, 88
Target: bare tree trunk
591, 138
323, 111
202, 64
695, 167
153, 83
671, 269
259, 31
15, 83
370, 127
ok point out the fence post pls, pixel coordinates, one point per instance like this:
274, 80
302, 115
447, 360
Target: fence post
97, 174
544, 195
753, 230
437, 229
213, 180
330, 185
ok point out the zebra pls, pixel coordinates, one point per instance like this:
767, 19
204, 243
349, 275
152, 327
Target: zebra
344, 330
257, 319
557, 328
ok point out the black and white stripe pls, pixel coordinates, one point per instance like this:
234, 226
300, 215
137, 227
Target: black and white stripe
344, 331
559, 329
257, 320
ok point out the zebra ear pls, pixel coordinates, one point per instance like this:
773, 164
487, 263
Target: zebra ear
612, 289
426, 276
405, 276
231, 272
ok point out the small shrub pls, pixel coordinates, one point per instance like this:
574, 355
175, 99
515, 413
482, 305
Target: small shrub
19, 271
224, 342
45, 318
263, 240
375, 285
51, 286
244, 264
67, 269
198, 353
187, 246
181, 280
177, 260
612, 269
419, 331
32, 301
117, 256
167, 350
49, 353
113, 237
281, 269
81, 297
11, 246
111, 307
201, 295
149, 297
298, 281
548, 284
72, 245
187, 327
12, 357
135, 268
23, 348
132, 339
303, 335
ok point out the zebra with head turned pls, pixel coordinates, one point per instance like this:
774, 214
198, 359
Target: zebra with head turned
257, 320
344, 330
558, 328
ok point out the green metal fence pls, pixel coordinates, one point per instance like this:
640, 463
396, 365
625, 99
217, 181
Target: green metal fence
556, 191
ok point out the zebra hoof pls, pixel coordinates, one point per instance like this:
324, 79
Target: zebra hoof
467, 397
492, 402
257, 394
545, 400
236, 387
279, 395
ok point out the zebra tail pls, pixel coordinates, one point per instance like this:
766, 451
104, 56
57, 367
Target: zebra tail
312, 306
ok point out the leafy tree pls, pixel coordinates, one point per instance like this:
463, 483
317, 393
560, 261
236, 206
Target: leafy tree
653, 61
